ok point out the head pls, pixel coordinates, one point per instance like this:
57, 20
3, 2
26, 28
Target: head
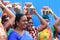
30, 24
5, 20
20, 21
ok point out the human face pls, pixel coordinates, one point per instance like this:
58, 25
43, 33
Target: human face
6, 21
22, 24
30, 24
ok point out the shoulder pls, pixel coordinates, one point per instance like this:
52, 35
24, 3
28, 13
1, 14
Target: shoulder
13, 34
27, 34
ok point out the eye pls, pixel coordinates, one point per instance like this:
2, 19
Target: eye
30, 22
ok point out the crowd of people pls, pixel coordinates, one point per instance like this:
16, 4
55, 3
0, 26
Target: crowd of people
17, 24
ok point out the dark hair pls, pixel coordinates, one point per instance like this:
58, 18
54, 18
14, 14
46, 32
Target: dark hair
17, 19
28, 18
45, 17
4, 19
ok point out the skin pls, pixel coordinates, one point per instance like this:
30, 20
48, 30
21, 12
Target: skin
3, 35
30, 24
21, 25
11, 20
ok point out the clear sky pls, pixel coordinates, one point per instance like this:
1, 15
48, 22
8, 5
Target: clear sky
38, 4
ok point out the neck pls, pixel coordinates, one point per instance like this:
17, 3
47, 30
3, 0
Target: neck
20, 31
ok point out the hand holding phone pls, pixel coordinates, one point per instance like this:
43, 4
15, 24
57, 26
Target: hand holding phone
45, 10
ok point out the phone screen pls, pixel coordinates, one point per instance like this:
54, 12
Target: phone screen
30, 10
45, 12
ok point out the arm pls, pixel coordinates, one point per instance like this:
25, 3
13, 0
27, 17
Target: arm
24, 10
53, 14
56, 20
43, 22
56, 25
3, 35
41, 28
10, 15
40, 18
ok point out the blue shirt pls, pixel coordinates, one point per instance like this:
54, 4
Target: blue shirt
15, 36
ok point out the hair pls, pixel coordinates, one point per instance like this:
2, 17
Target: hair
17, 19
45, 17
4, 19
28, 18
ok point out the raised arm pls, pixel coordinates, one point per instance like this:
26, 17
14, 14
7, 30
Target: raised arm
9, 14
44, 24
53, 14
57, 20
56, 24
41, 19
3, 34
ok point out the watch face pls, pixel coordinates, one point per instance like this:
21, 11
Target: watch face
0, 12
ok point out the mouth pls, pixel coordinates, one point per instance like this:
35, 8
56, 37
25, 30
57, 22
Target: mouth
24, 26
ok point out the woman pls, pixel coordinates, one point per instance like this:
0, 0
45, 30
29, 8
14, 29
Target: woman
19, 32
34, 31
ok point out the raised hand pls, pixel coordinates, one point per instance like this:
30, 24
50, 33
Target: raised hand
45, 10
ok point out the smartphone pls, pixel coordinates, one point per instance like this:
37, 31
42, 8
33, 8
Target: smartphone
30, 10
45, 12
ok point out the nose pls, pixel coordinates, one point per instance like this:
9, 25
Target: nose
26, 22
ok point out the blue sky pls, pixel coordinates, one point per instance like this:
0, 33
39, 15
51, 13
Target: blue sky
38, 4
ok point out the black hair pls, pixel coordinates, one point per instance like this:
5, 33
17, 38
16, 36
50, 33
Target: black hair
17, 19
4, 19
28, 18
45, 17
